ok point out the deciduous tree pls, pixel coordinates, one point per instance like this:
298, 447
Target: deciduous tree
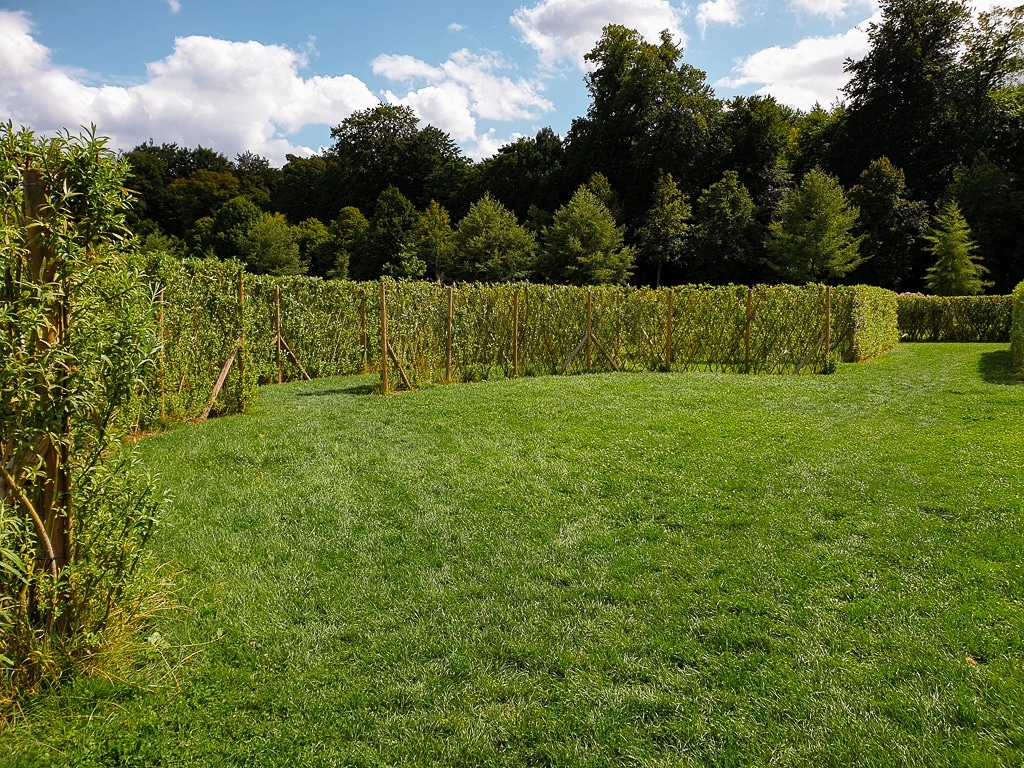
811, 239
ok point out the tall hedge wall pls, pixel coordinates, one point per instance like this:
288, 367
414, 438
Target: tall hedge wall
1017, 329
282, 328
954, 318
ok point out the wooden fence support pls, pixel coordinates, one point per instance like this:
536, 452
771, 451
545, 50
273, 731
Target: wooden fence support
241, 340
668, 332
277, 332
162, 355
384, 347
828, 321
515, 334
364, 336
221, 379
746, 331
448, 335
590, 325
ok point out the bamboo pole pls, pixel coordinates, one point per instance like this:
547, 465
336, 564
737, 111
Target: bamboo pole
448, 335
384, 379
277, 330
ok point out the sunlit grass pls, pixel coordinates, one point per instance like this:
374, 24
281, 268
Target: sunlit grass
610, 570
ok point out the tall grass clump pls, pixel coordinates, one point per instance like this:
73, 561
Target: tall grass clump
77, 343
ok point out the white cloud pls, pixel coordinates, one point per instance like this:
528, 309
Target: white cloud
718, 12
226, 95
465, 89
174, 5
456, 27
833, 9
801, 75
564, 30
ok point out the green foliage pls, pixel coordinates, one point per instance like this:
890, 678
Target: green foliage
269, 247
873, 317
389, 247
491, 246
435, 239
77, 345
350, 231
956, 272
1017, 329
892, 226
811, 238
648, 110
724, 238
583, 246
955, 318
666, 226
202, 323
992, 203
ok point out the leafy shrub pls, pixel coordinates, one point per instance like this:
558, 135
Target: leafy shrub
77, 347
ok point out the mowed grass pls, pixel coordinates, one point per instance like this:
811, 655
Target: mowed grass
683, 569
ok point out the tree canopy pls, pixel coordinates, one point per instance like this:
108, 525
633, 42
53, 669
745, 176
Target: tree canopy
700, 189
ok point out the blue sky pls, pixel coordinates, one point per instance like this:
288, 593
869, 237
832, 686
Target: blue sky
273, 77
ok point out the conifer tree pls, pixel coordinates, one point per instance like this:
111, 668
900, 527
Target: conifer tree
956, 271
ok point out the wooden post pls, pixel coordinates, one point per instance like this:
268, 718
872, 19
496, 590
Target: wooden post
384, 380
241, 341
746, 332
161, 359
515, 334
590, 323
365, 335
448, 335
277, 329
668, 333
828, 321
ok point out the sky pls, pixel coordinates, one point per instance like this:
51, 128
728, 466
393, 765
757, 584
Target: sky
274, 77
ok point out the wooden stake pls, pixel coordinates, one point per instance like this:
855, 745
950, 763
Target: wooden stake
277, 330
241, 341
384, 379
365, 336
590, 321
828, 321
448, 335
515, 334
220, 380
746, 332
161, 359
668, 333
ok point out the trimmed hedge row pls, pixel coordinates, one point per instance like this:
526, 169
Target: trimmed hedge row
283, 328
1017, 328
954, 318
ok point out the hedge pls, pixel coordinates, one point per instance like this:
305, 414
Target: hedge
954, 318
1017, 329
278, 329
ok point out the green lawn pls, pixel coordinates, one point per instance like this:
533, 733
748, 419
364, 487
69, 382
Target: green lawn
680, 569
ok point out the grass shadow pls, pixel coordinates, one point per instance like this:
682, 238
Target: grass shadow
359, 389
997, 368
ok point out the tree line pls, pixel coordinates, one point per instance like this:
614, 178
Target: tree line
912, 182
